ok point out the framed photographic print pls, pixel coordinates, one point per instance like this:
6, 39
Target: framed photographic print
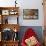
5, 12
13, 12
30, 13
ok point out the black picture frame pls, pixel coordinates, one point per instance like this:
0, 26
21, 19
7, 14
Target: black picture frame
30, 14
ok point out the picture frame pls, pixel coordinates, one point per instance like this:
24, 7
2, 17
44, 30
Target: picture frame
30, 14
5, 12
13, 12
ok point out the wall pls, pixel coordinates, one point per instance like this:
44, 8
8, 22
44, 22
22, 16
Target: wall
7, 3
26, 4
31, 4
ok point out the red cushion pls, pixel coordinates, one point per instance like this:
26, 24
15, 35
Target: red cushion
29, 33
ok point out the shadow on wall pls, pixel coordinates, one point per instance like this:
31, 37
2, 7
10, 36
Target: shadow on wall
37, 29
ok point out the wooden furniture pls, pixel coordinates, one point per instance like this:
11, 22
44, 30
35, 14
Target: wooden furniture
10, 43
11, 26
5, 13
44, 7
44, 36
0, 43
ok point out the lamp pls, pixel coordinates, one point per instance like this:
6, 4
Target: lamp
15, 3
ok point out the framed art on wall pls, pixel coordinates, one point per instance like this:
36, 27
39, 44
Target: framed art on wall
30, 13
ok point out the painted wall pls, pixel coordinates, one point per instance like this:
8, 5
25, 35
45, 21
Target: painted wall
26, 4
7, 3
31, 4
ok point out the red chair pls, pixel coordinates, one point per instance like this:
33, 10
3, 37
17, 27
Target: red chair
29, 33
